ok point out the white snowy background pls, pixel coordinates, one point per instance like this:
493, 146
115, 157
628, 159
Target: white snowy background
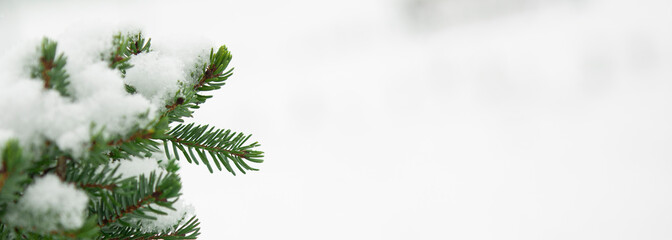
423, 119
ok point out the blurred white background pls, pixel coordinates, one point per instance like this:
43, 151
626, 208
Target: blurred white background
424, 119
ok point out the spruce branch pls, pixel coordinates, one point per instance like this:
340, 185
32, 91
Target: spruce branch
133, 198
51, 68
223, 146
140, 142
94, 178
118, 206
103, 149
213, 76
186, 230
209, 77
124, 46
13, 176
138, 135
153, 197
138, 44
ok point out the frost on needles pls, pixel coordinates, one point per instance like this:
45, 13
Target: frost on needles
91, 131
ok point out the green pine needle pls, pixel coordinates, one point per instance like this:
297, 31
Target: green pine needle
224, 147
51, 68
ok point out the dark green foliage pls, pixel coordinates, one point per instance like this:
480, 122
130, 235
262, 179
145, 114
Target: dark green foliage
130, 89
188, 230
13, 179
6, 232
213, 75
139, 142
222, 146
209, 77
124, 46
118, 205
104, 180
138, 44
50, 68
12, 175
131, 200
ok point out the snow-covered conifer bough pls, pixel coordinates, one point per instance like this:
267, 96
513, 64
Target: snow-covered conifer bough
90, 132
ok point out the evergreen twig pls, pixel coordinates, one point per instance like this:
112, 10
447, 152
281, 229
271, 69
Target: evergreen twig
223, 146
124, 47
51, 68
209, 77
117, 203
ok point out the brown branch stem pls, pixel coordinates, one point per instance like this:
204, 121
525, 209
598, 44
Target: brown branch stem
141, 203
140, 134
100, 186
48, 65
61, 167
208, 74
3, 175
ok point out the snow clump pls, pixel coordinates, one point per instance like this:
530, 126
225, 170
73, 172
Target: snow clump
48, 205
98, 102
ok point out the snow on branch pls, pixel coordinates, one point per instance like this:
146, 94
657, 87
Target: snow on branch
80, 150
